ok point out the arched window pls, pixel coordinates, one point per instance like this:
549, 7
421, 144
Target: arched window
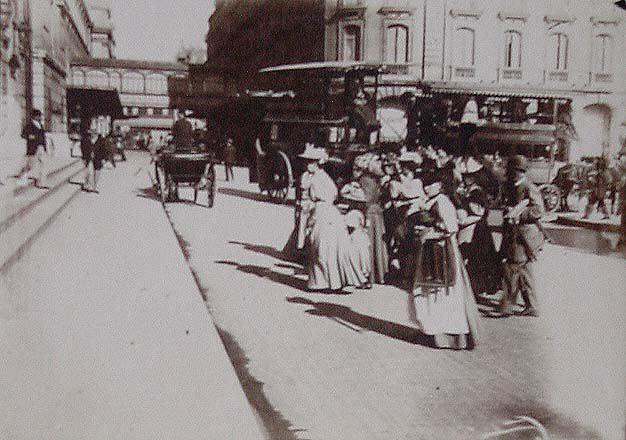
464, 47
397, 48
156, 84
78, 78
97, 79
115, 80
512, 49
351, 47
558, 51
603, 53
133, 82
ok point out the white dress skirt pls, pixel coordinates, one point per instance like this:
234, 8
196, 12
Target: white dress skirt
330, 264
445, 308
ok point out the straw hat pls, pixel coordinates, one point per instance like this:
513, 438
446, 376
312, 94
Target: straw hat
353, 192
313, 153
411, 156
469, 166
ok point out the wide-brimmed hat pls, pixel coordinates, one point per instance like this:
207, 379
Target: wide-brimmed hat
353, 192
469, 166
313, 153
411, 156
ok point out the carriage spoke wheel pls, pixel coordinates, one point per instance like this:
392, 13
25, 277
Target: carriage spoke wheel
551, 197
279, 194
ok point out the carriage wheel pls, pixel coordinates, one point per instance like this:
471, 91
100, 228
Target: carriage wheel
551, 197
279, 194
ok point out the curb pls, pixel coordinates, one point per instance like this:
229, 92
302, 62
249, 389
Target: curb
587, 224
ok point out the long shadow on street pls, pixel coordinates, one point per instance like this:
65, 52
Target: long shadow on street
255, 196
264, 272
381, 326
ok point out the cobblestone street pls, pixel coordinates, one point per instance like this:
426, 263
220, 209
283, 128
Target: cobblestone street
320, 366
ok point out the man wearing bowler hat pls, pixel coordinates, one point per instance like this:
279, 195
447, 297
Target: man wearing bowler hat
522, 238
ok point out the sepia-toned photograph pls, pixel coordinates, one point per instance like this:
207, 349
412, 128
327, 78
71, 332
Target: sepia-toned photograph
312, 220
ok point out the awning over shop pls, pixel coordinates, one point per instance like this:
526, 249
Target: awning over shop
500, 91
97, 102
153, 123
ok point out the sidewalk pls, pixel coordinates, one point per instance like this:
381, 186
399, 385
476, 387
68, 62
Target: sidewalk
104, 334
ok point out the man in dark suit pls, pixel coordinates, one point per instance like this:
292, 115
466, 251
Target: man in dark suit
36, 148
522, 238
182, 132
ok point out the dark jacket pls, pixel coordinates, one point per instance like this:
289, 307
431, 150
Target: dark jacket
522, 241
100, 152
182, 133
34, 137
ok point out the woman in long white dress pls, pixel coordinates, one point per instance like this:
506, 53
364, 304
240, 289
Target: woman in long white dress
329, 266
442, 294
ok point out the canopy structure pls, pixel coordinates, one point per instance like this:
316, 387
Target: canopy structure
96, 102
336, 68
520, 92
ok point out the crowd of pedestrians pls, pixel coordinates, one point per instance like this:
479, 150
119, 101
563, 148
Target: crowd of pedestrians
420, 219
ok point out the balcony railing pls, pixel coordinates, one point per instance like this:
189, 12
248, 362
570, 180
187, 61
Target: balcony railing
464, 72
511, 73
557, 75
603, 77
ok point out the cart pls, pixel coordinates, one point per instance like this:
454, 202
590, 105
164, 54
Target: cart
195, 170
331, 104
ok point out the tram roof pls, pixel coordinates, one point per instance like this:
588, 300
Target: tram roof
333, 68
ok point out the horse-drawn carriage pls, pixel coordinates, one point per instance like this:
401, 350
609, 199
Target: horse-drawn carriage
193, 168
330, 104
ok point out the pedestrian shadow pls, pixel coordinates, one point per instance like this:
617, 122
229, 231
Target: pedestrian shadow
386, 328
265, 250
148, 193
256, 196
267, 273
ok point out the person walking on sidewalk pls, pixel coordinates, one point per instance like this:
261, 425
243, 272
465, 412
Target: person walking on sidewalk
599, 179
93, 150
522, 238
36, 148
230, 157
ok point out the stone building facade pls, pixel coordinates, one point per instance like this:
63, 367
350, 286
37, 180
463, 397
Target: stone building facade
102, 41
567, 48
248, 35
142, 87
61, 31
570, 48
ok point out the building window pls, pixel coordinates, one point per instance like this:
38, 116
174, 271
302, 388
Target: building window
603, 53
397, 47
464, 45
150, 111
165, 112
512, 50
156, 84
78, 78
351, 43
97, 79
133, 82
135, 111
115, 80
125, 110
559, 46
